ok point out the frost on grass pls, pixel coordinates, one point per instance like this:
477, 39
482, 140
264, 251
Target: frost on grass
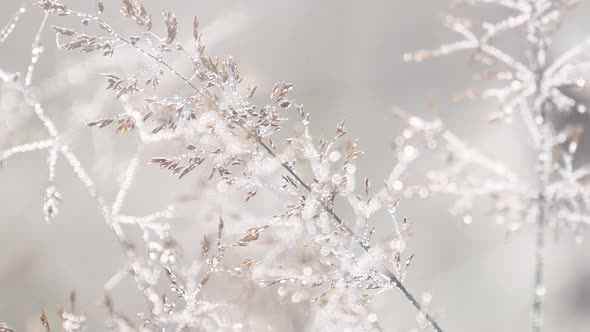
307, 254
210, 124
527, 85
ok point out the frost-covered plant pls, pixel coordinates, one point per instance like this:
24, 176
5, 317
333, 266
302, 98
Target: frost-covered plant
306, 251
533, 86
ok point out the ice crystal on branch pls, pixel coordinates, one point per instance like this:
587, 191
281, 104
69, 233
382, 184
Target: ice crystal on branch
275, 211
224, 132
534, 87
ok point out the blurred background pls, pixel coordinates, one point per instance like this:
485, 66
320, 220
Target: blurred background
345, 61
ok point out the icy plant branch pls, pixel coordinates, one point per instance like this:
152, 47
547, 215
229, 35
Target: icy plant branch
221, 131
533, 88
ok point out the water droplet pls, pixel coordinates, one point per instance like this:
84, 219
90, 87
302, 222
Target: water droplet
409, 151
423, 193
467, 219
351, 169
398, 185
372, 317
334, 156
296, 297
398, 245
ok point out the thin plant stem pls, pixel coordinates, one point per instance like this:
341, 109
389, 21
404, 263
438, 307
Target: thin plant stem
539, 291
539, 268
544, 159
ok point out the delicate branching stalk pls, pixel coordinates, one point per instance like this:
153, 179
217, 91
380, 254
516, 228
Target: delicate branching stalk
245, 126
535, 90
9, 28
306, 249
397, 283
540, 108
39, 145
36, 51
